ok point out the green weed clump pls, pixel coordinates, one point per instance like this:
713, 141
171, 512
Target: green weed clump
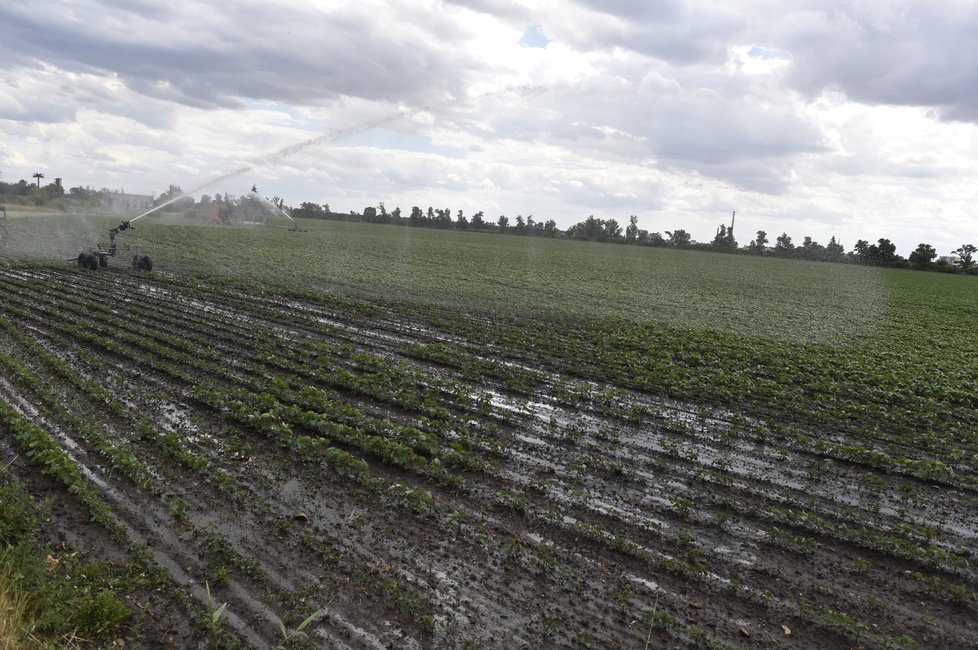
51, 597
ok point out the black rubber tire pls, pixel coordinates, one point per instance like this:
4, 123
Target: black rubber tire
147, 263
87, 261
103, 261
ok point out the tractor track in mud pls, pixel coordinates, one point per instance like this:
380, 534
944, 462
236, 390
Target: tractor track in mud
508, 513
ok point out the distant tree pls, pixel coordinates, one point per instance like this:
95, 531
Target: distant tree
882, 253
923, 256
783, 246
174, 199
590, 229
885, 253
520, 227
834, 251
759, 243
38, 176
503, 222
382, 210
724, 240
967, 255
443, 218
477, 220
550, 228
396, 215
631, 232
810, 250
55, 189
305, 210
612, 230
461, 223
642, 237
417, 216
679, 238
656, 239
88, 193
370, 213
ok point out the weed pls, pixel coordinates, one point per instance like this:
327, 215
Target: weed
297, 633
215, 612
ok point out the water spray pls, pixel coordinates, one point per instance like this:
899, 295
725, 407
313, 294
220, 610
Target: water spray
328, 138
99, 257
278, 208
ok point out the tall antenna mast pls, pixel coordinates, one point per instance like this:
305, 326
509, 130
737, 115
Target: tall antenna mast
733, 217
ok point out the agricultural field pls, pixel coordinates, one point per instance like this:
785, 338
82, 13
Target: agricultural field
391, 437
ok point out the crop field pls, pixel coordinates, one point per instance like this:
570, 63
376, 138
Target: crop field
438, 439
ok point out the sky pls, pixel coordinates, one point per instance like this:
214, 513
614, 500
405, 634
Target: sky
857, 120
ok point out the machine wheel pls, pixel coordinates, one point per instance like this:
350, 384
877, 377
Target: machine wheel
142, 262
87, 261
103, 261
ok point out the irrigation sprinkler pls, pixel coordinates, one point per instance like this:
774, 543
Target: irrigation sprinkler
99, 256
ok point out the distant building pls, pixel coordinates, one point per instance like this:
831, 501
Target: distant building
122, 202
950, 260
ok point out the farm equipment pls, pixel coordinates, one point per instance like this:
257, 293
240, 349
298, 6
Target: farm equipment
99, 256
221, 213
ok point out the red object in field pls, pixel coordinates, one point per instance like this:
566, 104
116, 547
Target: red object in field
220, 213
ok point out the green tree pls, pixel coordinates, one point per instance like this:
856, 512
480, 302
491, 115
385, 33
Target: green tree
967, 254
477, 220
724, 240
759, 244
783, 245
417, 216
503, 222
631, 232
834, 251
679, 238
884, 253
612, 230
923, 256
590, 229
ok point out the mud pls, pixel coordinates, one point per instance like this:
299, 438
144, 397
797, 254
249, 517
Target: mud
560, 512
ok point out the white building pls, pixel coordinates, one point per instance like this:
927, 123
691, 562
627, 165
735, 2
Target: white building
122, 202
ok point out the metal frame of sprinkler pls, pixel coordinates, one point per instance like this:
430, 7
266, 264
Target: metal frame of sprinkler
99, 256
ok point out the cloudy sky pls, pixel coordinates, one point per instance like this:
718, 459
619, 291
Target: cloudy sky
854, 119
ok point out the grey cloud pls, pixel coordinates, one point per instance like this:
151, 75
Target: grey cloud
675, 31
255, 53
728, 133
499, 8
911, 54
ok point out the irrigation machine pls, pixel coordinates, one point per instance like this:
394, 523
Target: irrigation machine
99, 256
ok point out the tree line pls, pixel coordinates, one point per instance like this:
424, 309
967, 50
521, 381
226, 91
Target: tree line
882, 253
441, 218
